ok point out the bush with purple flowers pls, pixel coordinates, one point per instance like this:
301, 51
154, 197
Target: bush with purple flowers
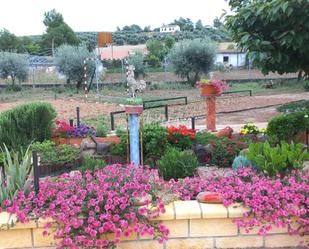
82, 130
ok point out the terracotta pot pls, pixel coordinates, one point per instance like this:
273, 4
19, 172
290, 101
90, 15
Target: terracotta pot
134, 109
60, 140
208, 90
76, 141
110, 139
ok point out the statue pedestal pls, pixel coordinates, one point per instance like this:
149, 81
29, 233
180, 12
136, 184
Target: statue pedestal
211, 113
134, 113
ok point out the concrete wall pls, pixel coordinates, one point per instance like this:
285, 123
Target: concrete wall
235, 59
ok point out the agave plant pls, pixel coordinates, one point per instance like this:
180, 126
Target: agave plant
16, 175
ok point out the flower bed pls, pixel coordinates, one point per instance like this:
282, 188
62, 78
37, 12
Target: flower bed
87, 207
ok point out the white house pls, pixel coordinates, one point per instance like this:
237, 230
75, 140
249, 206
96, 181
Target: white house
169, 28
230, 56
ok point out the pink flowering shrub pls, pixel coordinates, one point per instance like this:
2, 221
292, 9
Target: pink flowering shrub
279, 201
87, 207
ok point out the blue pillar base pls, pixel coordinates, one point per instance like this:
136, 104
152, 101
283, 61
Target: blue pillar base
134, 139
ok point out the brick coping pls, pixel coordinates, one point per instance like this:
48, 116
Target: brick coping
177, 210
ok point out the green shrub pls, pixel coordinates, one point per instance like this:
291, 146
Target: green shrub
306, 85
277, 160
18, 171
177, 164
242, 162
26, 123
154, 142
224, 150
91, 163
101, 130
285, 127
296, 106
51, 154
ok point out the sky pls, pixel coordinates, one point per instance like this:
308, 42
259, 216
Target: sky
25, 17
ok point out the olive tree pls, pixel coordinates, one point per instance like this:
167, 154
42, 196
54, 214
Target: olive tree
13, 65
70, 62
191, 58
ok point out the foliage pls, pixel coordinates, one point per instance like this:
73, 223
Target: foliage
18, 171
277, 160
51, 154
91, 163
181, 137
101, 130
306, 85
155, 141
260, 195
137, 60
70, 60
57, 31
86, 206
14, 66
224, 150
177, 164
134, 101
9, 42
242, 162
285, 127
219, 85
191, 58
169, 41
26, 123
296, 106
273, 32
62, 129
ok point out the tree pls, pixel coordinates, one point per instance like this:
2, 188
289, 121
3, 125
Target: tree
217, 23
70, 61
57, 31
169, 41
156, 48
275, 33
13, 65
199, 25
137, 60
9, 42
190, 58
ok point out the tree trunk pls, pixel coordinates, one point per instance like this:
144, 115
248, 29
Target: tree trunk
300, 74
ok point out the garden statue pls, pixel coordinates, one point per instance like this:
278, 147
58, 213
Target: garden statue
134, 86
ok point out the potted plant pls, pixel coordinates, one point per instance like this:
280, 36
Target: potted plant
79, 133
211, 87
134, 105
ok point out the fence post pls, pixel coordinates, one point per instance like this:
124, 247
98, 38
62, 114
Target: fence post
35, 163
166, 112
71, 121
250, 92
186, 100
112, 121
193, 123
78, 116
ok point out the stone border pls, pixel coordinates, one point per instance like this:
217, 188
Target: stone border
192, 225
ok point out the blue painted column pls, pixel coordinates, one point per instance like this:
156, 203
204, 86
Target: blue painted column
134, 139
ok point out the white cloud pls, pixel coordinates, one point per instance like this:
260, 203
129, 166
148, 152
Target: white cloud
24, 17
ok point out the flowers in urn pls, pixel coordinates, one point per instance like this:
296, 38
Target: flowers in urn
218, 85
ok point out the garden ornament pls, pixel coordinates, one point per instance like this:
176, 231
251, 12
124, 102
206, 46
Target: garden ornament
134, 85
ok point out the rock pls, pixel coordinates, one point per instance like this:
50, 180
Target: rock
209, 197
226, 132
90, 147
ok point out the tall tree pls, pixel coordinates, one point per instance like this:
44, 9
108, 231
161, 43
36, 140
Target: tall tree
275, 33
9, 42
57, 31
199, 25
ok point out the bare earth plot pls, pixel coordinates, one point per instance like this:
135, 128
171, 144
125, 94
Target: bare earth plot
66, 108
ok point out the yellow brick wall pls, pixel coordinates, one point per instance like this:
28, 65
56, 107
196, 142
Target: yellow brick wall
192, 225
